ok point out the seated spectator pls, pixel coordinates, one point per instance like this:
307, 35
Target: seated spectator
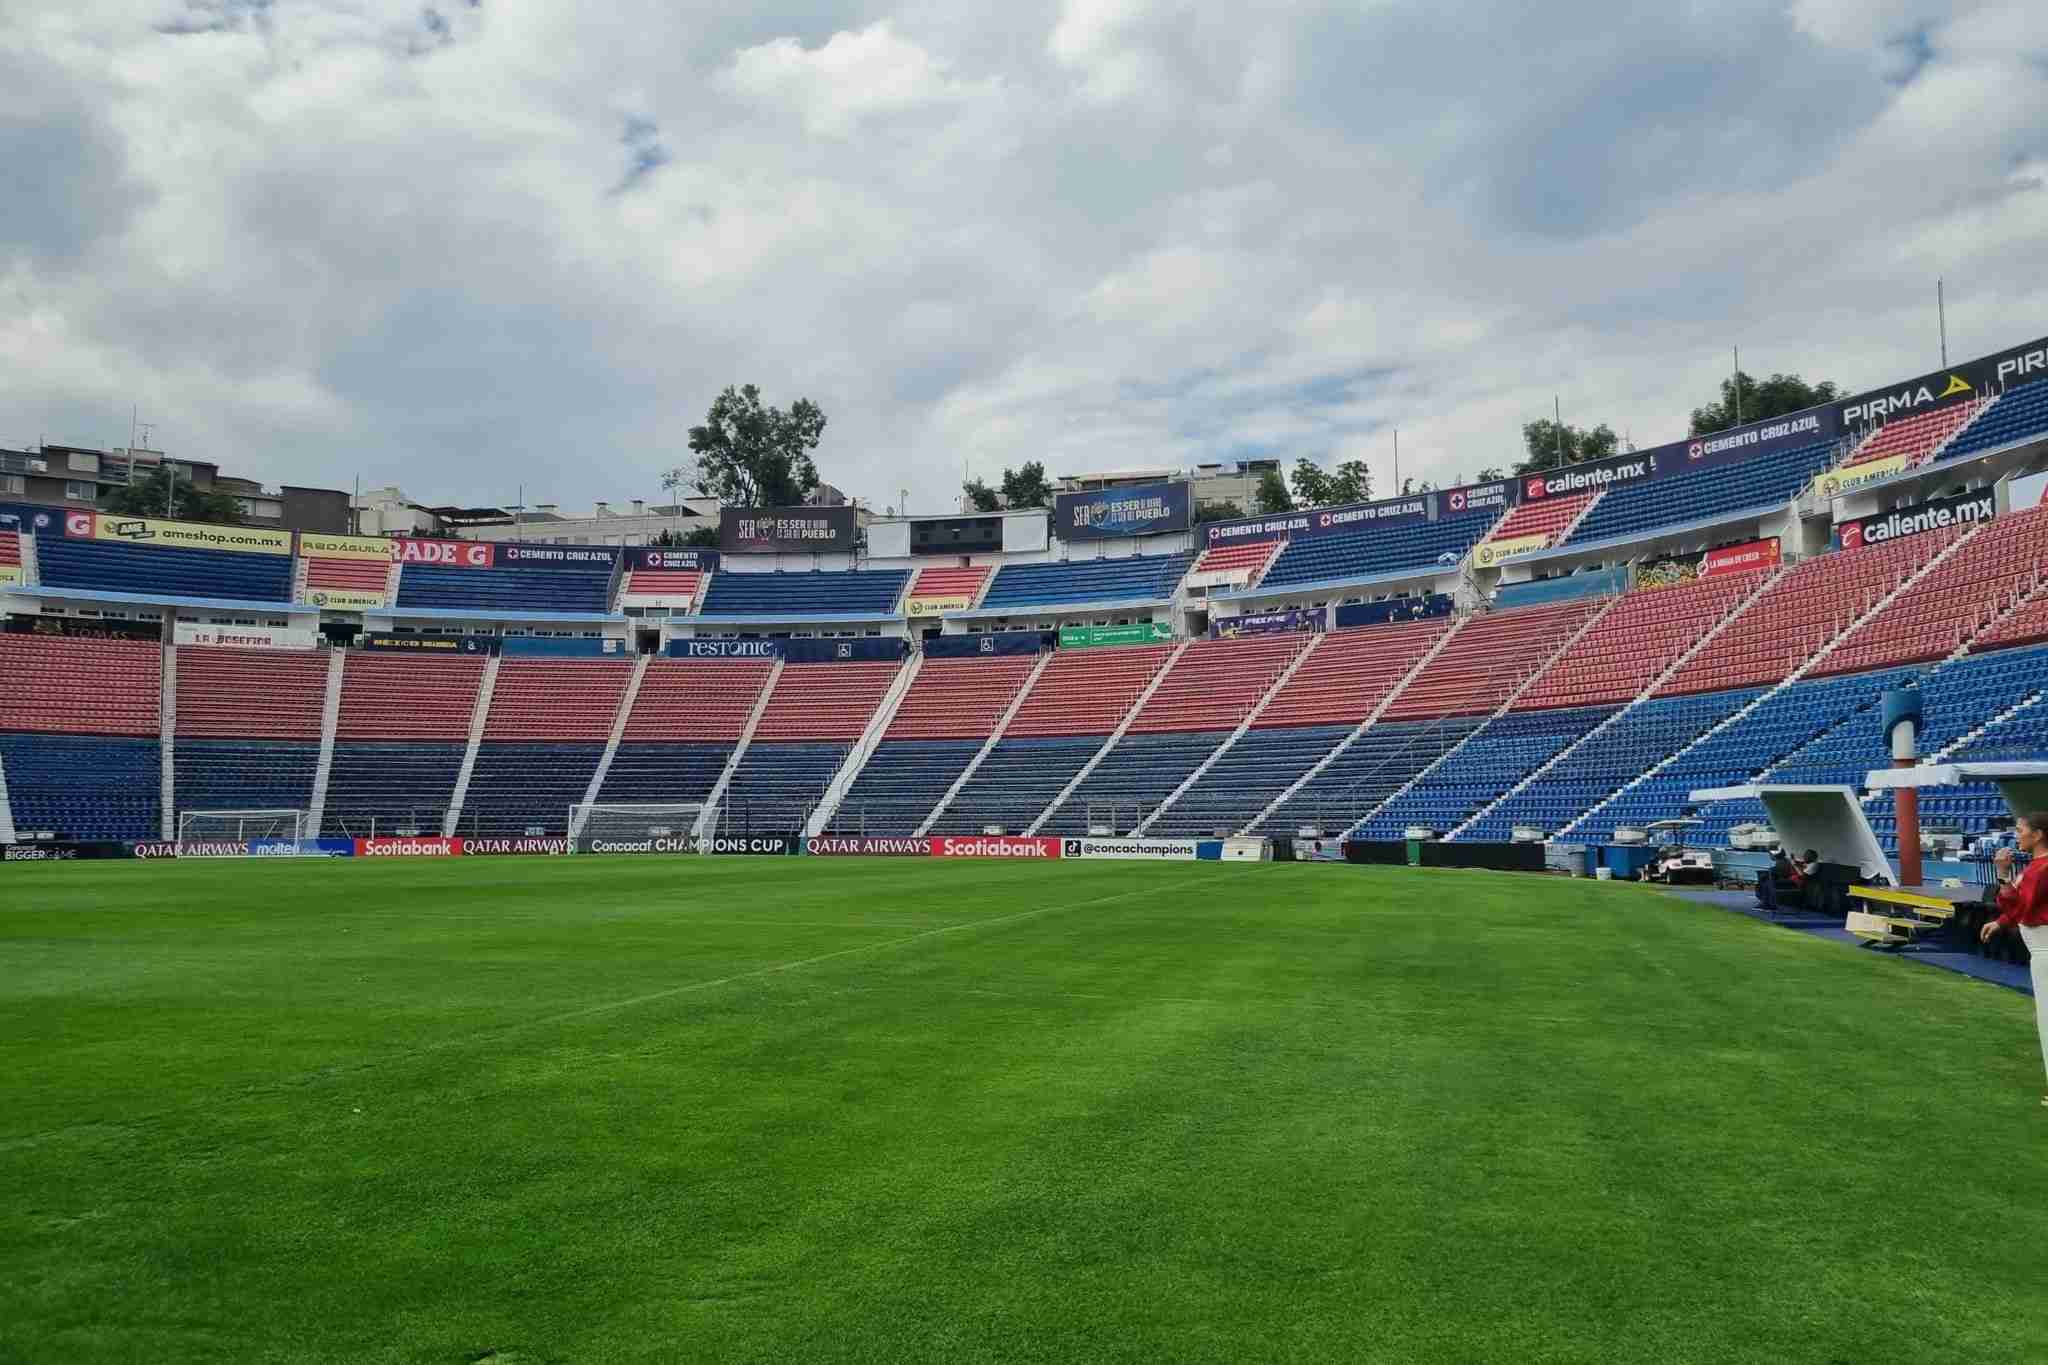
1781, 885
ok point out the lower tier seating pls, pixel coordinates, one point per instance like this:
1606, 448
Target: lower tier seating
84, 787
900, 783
1245, 780
1132, 779
243, 774
1494, 758
526, 788
1017, 781
1382, 761
777, 786
656, 773
389, 787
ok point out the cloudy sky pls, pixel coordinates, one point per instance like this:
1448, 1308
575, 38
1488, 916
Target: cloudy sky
467, 244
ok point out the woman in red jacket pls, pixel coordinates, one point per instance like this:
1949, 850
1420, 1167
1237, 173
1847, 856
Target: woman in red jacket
2023, 905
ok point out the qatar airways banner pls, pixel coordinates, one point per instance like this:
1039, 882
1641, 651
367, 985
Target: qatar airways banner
1754, 554
867, 846
525, 845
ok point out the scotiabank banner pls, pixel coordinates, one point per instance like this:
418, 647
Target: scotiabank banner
528, 844
1918, 518
867, 846
410, 848
993, 846
1755, 554
1170, 850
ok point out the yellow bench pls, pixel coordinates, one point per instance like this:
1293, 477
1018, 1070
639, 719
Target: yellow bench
1920, 903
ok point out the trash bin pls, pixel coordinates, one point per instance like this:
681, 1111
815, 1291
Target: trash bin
1415, 853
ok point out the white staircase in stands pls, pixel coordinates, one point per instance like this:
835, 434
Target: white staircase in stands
330, 716
167, 726
1095, 760
1232, 738
476, 739
6, 808
706, 816
618, 732
864, 748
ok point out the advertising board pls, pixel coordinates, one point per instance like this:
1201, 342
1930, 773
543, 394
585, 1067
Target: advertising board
786, 530
656, 843
1754, 554
867, 846
1971, 379
1833, 483
443, 554
387, 642
993, 846
1269, 622
659, 558
1095, 637
180, 535
756, 845
522, 845
319, 545
1318, 521
421, 847
1168, 850
1494, 552
1115, 513
243, 637
31, 518
936, 606
993, 644
1914, 519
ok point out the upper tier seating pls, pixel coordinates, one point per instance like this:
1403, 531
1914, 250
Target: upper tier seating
1087, 691
1917, 437
2019, 414
857, 592
1350, 673
1246, 558
75, 686
557, 699
157, 571
346, 575
1546, 517
1415, 545
952, 584
678, 585
1800, 612
1699, 494
1634, 643
234, 706
1147, 578
513, 590
399, 741
2002, 563
685, 721
1216, 683
1489, 658
1492, 759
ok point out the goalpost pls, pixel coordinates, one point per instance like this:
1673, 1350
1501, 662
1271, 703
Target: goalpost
662, 827
229, 833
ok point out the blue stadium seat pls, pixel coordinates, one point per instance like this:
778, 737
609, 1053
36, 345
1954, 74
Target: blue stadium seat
900, 783
1245, 780
385, 787
1385, 758
653, 772
84, 786
1145, 578
505, 590
520, 787
1132, 779
867, 592
1697, 495
1377, 550
2021, 413
1016, 782
235, 774
158, 571
1495, 757
777, 786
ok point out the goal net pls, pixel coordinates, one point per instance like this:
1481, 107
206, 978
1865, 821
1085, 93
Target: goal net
671, 827
239, 833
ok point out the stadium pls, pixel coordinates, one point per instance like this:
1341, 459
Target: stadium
1200, 896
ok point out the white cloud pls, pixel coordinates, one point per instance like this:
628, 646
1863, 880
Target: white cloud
850, 77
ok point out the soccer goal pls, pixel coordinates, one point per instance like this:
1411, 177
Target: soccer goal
229, 833
670, 827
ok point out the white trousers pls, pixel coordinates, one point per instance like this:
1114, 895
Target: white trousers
2036, 936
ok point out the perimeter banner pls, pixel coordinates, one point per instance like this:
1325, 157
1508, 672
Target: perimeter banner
1972, 379
316, 545
757, 845
663, 557
1115, 513
1269, 623
1833, 483
30, 518
937, 606
178, 535
993, 846
1170, 850
423, 847
867, 846
1918, 518
443, 554
1325, 520
787, 530
524, 844
1493, 552
388, 642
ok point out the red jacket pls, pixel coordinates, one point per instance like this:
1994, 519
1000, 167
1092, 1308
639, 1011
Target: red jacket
2026, 900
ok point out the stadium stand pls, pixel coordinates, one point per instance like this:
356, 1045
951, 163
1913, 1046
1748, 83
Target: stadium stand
1917, 438
1377, 550
677, 587
2017, 414
1137, 578
687, 718
248, 727
1698, 495
1077, 701
1645, 633
813, 717
399, 741
1239, 564
79, 727
1206, 692
943, 720
937, 586
325, 574
1549, 518
1386, 758
569, 590
10, 552
548, 725
811, 595
1492, 656
1513, 743
149, 570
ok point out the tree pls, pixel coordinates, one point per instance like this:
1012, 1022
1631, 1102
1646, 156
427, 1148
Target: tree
1206, 511
1489, 474
1546, 451
1311, 485
1774, 397
696, 538
1352, 482
148, 498
1409, 487
1022, 487
753, 455
1272, 497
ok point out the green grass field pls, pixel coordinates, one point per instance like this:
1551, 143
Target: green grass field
596, 1110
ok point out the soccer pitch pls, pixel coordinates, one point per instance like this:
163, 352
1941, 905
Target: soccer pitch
594, 1110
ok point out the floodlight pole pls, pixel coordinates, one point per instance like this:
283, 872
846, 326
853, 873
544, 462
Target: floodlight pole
1736, 383
1941, 313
